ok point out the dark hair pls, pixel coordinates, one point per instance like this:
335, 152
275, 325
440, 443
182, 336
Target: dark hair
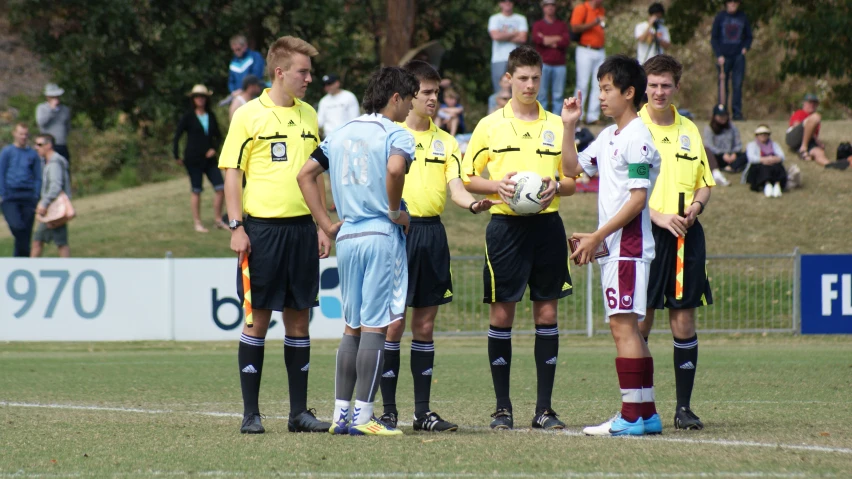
719, 127
206, 103
384, 83
47, 136
250, 80
625, 72
523, 56
659, 64
422, 70
656, 7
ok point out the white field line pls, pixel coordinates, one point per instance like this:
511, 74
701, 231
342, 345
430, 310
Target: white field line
419, 475
678, 440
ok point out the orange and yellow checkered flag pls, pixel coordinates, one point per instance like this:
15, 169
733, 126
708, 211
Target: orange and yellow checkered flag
244, 268
681, 246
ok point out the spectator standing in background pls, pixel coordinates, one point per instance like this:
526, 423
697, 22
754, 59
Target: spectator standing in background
54, 118
551, 39
731, 39
245, 62
652, 35
199, 155
20, 187
55, 179
588, 20
337, 107
803, 133
252, 88
508, 31
722, 138
765, 164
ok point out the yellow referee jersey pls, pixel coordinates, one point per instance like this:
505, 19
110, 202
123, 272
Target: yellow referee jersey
684, 166
502, 143
437, 161
271, 144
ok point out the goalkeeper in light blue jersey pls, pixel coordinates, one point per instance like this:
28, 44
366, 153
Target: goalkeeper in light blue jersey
367, 160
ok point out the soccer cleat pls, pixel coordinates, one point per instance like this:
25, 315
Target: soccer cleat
547, 419
307, 421
617, 426
502, 419
389, 419
430, 421
373, 428
686, 419
653, 425
339, 428
252, 424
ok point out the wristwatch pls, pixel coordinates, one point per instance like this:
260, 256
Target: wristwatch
234, 224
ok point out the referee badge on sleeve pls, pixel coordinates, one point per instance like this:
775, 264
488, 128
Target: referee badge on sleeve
279, 151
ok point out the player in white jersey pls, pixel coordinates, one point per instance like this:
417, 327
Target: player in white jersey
367, 160
627, 161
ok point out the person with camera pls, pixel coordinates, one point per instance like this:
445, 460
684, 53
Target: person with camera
652, 36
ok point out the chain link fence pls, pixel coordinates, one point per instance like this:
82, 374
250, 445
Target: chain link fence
751, 294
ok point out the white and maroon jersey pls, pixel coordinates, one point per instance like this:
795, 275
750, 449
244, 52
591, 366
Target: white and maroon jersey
625, 160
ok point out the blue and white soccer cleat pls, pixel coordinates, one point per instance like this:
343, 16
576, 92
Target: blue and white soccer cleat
340, 427
617, 426
653, 425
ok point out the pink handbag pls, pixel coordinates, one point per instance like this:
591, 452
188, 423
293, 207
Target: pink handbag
59, 212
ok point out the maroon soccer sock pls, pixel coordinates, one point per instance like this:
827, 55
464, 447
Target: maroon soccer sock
649, 407
630, 376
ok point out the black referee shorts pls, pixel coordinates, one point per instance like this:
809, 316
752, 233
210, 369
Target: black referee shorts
521, 250
283, 264
661, 282
430, 281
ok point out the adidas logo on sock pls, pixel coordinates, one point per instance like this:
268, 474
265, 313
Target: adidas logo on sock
291, 123
250, 369
427, 372
687, 365
306, 367
526, 136
389, 374
551, 361
448, 294
499, 362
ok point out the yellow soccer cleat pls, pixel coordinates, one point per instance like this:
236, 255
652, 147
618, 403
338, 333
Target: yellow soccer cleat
373, 428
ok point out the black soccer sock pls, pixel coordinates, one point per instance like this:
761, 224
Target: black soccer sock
250, 360
422, 362
500, 357
390, 376
685, 363
297, 359
546, 352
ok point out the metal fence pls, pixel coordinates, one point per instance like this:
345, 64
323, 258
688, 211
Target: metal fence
751, 293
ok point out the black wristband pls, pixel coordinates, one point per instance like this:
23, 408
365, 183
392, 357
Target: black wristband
470, 208
702, 206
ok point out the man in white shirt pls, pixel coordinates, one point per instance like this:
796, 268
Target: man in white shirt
337, 107
508, 31
652, 36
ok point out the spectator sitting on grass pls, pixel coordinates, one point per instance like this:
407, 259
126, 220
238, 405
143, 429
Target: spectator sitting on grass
765, 169
451, 113
498, 100
722, 138
803, 133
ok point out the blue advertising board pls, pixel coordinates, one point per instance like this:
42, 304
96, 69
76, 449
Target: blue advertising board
826, 294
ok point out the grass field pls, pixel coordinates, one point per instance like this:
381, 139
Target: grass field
773, 406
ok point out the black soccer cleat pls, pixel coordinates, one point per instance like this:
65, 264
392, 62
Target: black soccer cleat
547, 419
307, 421
502, 419
686, 419
389, 419
432, 422
252, 424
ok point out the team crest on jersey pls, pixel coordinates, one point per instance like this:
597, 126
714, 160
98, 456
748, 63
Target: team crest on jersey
437, 148
645, 151
615, 153
548, 138
279, 151
684, 142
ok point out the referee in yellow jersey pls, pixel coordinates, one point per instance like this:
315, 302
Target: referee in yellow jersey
522, 250
437, 166
269, 140
684, 171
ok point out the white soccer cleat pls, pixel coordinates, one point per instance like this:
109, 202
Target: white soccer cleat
617, 426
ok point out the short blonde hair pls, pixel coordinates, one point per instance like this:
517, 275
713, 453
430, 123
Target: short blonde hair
281, 52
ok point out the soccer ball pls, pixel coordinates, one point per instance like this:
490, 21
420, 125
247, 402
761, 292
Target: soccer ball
528, 190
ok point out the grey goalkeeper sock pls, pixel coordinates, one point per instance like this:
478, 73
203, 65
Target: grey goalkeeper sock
369, 366
345, 375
